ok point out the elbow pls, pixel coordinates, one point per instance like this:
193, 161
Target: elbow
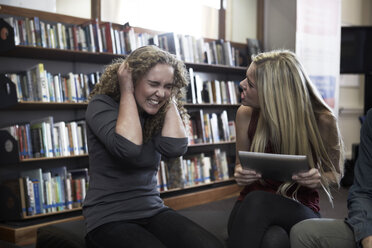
171, 147
124, 148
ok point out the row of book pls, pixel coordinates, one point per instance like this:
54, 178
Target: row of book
94, 36
210, 127
45, 138
202, 168
212, 91
37, 84
52, 190
90, 36
196, 50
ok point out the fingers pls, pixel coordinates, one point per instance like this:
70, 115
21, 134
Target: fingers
245, 177
310, 179
125, 78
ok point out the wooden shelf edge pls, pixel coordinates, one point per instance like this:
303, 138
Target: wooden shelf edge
28, 217
27, 235
202, 197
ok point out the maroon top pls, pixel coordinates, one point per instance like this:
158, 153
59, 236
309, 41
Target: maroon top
308, 197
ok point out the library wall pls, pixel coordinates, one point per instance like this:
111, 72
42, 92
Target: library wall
351, 99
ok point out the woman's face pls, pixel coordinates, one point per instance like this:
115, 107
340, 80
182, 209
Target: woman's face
249, 95
154, 89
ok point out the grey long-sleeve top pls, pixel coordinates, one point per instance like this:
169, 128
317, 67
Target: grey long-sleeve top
123, 175
360, 193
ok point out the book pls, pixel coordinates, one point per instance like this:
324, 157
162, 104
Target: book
37, 83
36, 178
29, 196
175, 173
253, 48
170, 43
164, 174
191, 89
43, 130
50, 202
198, 124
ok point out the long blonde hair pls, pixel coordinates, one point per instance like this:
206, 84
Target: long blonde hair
141, 61
290, 107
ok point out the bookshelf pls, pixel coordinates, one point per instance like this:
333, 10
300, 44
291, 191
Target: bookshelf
23, 230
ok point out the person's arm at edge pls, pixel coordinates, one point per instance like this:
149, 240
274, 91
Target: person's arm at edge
360, 196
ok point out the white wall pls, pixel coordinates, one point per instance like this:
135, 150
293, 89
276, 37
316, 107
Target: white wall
44, 5
241, 20
79, 8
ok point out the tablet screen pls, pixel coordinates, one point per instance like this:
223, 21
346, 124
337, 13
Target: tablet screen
279, 167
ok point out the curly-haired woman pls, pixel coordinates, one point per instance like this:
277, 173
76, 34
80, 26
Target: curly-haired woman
135, 115
282, 112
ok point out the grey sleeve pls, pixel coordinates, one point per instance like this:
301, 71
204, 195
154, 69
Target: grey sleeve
360, 194
171, 147
101, 116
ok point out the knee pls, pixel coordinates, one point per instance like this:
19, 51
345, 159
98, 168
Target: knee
257, 199
303, 234
275, 237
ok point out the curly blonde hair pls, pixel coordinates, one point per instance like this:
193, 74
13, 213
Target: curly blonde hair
141, 61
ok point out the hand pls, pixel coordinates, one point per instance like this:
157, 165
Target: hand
367, 242
125, 78
245, 177
310, 179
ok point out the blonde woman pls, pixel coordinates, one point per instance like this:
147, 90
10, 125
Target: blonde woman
282, 112
135, 116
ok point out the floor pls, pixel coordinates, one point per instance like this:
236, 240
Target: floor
339, 210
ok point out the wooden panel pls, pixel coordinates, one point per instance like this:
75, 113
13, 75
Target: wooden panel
202, 197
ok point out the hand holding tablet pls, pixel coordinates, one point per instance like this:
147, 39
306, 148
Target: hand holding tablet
278, 167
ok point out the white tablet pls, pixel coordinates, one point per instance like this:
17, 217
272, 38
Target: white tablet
279, 167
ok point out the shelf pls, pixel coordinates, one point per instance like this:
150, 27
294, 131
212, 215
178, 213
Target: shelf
24, 105
212, 105
23, 232
60, 54
27, 105
51, 214
217, 68
22, 51
197, 187
52, 158
211, 144
202, 196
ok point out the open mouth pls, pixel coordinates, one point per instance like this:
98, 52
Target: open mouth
153, 102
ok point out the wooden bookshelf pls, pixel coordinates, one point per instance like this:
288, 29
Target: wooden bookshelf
23, 232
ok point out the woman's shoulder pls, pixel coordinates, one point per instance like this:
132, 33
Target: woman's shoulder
326, 120
244, 112
327, 124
